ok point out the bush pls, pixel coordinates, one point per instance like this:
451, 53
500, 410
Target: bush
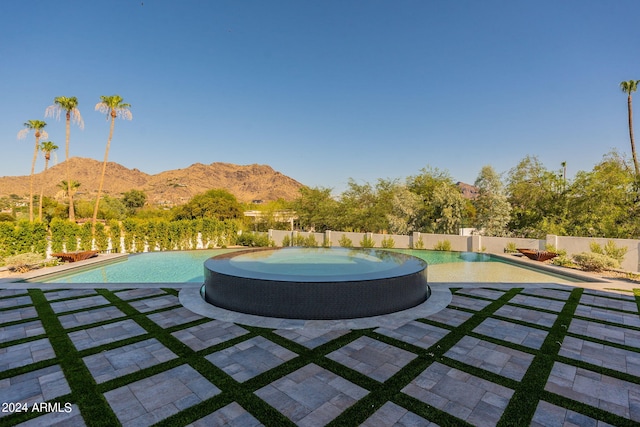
345, 242
510, 248
563, 261
255, 240
388, 243
419, 244
310, 241
442, 246
595, 262
610, 250
367, 242
24, 262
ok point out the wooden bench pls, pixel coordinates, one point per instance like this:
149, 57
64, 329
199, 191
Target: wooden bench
75, 256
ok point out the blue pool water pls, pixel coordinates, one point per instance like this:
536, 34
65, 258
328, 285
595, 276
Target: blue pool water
187, 266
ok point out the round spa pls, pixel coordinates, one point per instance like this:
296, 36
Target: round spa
315, 283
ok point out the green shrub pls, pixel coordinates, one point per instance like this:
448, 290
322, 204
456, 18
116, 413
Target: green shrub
419, 244
310, 241
595, 261
286, 241
510, 248
255, 240
345, 242
610, 250
24, 262
387, 243
444, 245
563, 261
367, 242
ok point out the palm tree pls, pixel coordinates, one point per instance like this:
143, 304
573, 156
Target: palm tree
114, 107
628, 88
46, 147
70, 106
37, 126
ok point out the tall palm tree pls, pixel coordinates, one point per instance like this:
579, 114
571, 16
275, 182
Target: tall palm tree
628, 88
46, 147
38, 127
70, 106
114, 107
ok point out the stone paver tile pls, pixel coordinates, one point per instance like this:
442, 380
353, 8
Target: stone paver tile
474, 304
605, 302
174, 317
156, 303
462, 395
597, 313
147, 401
100, 335
88, 317
250, 358
18, 314
310, 337
311, 396
68, 293
610, 294
548, 293
416, 333
512, 332
535, 302
494, 358
601, 355
34, 387
121, 361
25, 354
372, 358
392, 415
21, 330
14, 302
232, 415
69, 416
601, 391
208, 334
536, 317
451, 317
12, 292
491, 294
130, 294
76, 304
549, 415
610, 333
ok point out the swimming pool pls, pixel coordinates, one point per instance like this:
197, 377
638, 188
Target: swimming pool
187, 266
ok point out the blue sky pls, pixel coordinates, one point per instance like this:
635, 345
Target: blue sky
324, 91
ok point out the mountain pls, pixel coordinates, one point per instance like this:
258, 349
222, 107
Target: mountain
246, 182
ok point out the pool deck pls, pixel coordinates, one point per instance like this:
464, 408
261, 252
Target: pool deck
474, 354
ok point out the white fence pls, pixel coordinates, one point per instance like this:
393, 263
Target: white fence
496, 245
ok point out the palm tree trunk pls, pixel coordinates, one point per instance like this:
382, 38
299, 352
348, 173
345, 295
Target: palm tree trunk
46, 166
104, 168
633, 145
33, 168
72, 213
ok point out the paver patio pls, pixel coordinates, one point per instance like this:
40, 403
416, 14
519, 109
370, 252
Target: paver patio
150, 359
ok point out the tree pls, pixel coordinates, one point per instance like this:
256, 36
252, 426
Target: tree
219, 204
442, 201
70, 106
537, 199
38, 127
628, 88
405, 208
134, 200
316, 209
46, 147
492, 207
114, 107
602, 202
362, 208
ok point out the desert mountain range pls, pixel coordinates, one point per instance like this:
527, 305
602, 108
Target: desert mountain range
246, 182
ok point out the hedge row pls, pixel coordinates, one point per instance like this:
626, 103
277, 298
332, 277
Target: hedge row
130, 235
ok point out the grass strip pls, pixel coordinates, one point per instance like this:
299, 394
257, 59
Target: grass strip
92, 404
527, 394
